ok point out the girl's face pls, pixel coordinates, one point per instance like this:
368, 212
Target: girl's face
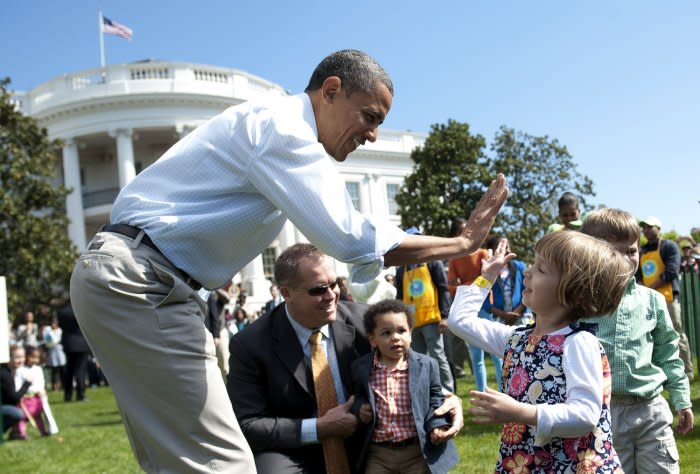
540, 293
391, 337
33, 359
17, 358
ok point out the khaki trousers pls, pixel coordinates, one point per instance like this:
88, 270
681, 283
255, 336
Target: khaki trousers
406, 460
145, 325
643, 436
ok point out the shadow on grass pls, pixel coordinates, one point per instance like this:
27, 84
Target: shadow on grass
98, 423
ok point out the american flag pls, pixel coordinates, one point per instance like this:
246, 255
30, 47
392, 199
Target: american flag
113, 28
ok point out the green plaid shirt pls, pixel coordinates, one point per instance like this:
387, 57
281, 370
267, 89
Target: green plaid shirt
642, 347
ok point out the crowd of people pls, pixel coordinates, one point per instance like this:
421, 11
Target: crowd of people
319, 382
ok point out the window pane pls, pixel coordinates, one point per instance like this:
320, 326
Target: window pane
269, 256
392, 189
353, 189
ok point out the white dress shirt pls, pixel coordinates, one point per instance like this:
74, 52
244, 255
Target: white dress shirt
216, 199
583, 370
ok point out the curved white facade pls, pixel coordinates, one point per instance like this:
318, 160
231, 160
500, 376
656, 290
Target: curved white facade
116, 121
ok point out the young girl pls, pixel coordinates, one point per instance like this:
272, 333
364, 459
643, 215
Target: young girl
32, 404
396, 393
555, 405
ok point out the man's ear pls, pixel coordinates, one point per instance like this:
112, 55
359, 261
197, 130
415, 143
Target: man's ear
284, 291
330, 88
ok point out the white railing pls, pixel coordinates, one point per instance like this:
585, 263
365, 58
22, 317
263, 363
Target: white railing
151, 77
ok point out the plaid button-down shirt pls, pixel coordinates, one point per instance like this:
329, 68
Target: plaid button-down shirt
394, 416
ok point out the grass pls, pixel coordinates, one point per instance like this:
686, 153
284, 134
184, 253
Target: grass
92, 439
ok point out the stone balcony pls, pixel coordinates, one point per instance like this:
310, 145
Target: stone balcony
146, 78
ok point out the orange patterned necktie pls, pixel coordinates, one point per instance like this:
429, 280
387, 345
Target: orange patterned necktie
326, 398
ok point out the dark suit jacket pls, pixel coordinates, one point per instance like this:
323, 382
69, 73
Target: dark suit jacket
426, 396
270, 386
72, 339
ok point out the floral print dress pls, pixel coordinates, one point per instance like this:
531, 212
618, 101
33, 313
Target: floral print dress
533, 373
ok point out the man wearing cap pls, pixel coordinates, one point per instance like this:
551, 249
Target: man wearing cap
659, 264
423, 287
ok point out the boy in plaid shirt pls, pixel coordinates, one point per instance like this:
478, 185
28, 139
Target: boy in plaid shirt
642, 348
396, 393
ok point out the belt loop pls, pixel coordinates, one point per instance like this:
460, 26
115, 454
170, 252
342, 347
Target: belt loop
137, 241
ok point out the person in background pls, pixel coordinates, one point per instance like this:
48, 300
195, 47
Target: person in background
659, 268
12, 414
462, 271
569, 214
55, 357
28, 331
274, 301
77, 353
642, 348
423, 288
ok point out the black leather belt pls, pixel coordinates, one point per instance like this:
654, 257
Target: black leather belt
396, 444
132, 232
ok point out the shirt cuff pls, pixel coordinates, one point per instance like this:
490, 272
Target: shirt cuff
308, 431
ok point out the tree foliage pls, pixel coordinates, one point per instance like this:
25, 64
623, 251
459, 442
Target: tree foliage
452, 170
539, 170
448, 178
37, 255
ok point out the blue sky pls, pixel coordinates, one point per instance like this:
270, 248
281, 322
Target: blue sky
618, 82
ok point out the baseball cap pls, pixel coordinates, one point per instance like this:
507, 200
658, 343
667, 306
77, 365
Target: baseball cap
651, 221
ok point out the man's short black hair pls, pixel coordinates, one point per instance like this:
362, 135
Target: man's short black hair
357, 71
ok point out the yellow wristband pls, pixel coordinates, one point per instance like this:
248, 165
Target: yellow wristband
482, 282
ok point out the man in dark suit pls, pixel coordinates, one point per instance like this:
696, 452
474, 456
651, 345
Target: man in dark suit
270, 380
275, 301
77, 352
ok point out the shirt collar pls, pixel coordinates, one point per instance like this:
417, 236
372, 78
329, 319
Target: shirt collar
403, 365
304, 333
309, 116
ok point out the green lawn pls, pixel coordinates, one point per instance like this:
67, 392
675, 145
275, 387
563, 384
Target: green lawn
92, 440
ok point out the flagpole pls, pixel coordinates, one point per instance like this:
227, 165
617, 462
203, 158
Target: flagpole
100, 22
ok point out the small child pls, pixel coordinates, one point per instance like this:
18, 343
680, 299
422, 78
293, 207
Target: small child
555, 405
569, 214
644, 360
396, 393
33, 401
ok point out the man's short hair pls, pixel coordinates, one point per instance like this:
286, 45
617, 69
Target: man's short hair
357, 70
384, 307
612, 225
593, 275
287, 264
568, 199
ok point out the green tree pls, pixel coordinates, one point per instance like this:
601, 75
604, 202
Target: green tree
449, 176
539, 170
37, 255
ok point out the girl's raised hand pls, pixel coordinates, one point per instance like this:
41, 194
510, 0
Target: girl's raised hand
491, 267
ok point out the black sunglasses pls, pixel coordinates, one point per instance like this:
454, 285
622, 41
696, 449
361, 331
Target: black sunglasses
321, 290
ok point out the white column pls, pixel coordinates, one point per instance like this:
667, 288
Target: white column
74, 200
253, 279
125, 155
286, 237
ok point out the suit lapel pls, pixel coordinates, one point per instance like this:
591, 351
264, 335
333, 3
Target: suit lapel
343, 338
289, 351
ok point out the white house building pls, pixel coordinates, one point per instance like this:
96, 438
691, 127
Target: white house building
117, 120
